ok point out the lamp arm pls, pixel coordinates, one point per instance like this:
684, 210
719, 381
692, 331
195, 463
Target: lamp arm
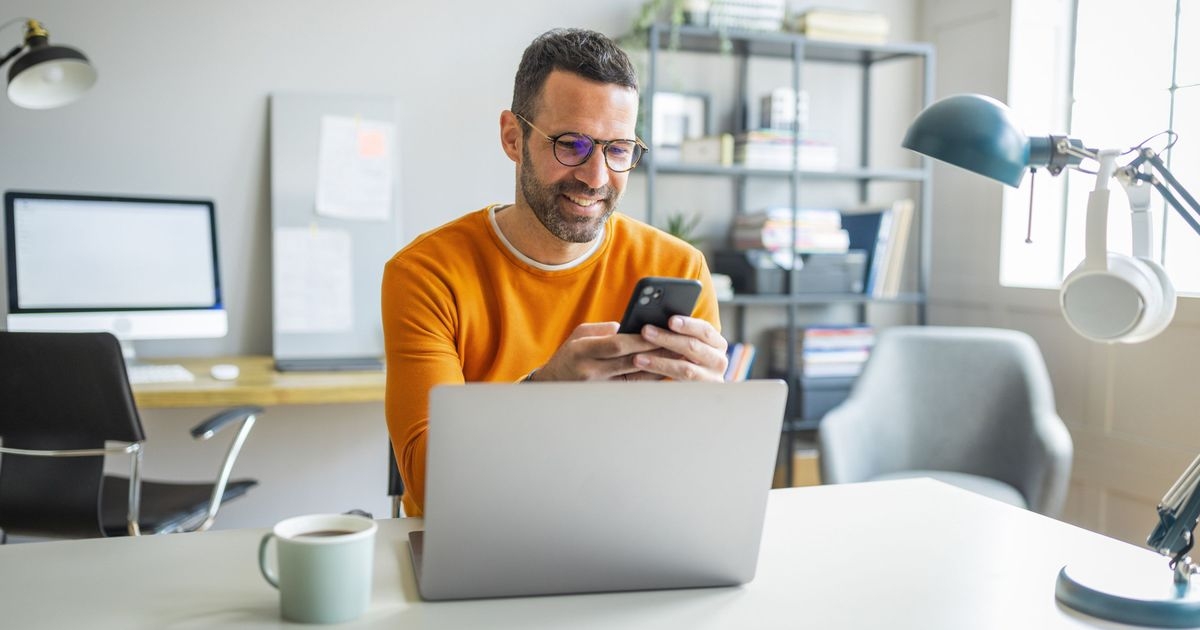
1178, 513
10, 54
16, 49
1171, 190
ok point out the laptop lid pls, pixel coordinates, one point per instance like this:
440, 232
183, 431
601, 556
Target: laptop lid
542, 488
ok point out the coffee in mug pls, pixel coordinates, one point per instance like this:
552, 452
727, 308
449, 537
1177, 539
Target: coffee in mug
325, 565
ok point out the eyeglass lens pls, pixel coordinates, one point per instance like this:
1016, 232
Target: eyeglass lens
572, 149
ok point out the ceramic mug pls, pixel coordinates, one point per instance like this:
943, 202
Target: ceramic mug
325, 566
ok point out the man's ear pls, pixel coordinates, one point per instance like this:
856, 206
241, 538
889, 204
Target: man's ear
511, 135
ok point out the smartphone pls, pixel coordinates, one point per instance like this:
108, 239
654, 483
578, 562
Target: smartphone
655, 300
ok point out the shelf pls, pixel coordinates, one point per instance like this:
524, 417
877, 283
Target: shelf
780, 44
855, 60
820, 298
855, 174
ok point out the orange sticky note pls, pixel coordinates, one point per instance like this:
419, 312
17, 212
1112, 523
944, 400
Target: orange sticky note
371, 143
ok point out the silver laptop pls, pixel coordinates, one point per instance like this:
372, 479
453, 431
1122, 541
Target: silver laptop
544, 488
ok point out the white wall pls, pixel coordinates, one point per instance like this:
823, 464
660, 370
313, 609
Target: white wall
1130, 409
181, 109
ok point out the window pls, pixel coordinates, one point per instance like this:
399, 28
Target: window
1136, 72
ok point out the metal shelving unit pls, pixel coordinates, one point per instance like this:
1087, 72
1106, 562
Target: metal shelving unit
745, 46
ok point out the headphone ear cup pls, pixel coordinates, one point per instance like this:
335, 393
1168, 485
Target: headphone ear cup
1130, 301
1157, 315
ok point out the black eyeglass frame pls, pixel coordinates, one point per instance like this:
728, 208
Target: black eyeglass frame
637, 158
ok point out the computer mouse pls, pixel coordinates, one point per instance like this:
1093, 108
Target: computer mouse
224, 371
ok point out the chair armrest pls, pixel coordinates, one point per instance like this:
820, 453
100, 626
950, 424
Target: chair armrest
847, 451
119, 448
209, 427
1055, 450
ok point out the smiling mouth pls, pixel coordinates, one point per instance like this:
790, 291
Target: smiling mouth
581, 201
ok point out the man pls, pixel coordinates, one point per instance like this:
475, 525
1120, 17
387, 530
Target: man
529, 291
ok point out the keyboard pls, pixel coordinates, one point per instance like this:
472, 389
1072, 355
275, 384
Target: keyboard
158, 373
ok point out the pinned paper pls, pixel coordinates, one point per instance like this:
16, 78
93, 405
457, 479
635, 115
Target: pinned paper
355, 168
314, 286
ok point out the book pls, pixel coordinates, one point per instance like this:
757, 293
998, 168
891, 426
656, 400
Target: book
805, 230
761, 15
842, 25
745, 362
902, 216
823, 350
780, 149
863, 229
741, 360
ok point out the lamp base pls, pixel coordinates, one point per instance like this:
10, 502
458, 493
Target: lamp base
1142, 593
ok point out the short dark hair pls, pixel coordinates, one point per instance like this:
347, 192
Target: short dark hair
588, 54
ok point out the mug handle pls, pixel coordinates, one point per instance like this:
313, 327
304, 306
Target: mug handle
270, 576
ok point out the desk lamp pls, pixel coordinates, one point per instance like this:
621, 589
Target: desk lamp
45, 76
1109, 297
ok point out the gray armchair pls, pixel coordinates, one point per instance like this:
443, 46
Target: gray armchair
972, 407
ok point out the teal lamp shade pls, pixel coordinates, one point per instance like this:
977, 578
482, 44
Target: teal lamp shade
974, 132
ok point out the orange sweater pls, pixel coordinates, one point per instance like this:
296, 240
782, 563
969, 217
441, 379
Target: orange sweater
460, 306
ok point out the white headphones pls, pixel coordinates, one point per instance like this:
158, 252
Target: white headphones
1113, 297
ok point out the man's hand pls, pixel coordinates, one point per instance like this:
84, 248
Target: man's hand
694, 351
595, 352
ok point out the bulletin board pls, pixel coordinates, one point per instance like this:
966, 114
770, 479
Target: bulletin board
335, 222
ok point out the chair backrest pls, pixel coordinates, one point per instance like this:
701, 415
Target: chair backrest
972, 400
60, 391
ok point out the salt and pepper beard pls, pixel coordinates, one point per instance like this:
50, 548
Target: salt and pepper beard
543, 199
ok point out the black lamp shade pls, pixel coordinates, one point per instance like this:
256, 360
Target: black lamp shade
49, 76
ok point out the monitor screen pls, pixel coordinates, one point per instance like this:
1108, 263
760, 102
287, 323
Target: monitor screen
141, 268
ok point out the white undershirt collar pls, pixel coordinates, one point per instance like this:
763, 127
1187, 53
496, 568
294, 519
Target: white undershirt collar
533, 263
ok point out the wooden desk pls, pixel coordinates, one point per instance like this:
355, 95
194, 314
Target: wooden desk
258, 384
902, 554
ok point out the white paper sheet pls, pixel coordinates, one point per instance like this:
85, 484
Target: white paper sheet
314, 290
355, 164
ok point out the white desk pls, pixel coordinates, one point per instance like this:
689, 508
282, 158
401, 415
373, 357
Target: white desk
904, 554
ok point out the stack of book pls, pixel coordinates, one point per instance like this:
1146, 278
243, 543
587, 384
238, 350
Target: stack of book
777, 148
756, 15
866, 27
741, 359
824, 351
806, 230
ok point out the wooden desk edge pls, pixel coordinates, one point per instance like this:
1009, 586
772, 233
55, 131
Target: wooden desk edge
258, 384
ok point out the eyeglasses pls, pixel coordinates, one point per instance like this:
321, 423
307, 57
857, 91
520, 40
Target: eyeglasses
573, 148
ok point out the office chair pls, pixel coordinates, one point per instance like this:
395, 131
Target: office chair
972, 407
395, 484
65, 403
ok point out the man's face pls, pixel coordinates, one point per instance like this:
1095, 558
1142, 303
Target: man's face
573, 202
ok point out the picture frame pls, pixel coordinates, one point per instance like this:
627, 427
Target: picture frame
678, 117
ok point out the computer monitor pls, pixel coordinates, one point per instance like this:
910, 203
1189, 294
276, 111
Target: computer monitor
138, 267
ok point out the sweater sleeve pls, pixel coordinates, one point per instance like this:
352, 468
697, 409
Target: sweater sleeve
419, 320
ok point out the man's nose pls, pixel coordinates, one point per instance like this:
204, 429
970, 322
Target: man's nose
593, 172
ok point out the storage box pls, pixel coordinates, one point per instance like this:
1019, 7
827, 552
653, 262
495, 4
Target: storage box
816, 395
754, 272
